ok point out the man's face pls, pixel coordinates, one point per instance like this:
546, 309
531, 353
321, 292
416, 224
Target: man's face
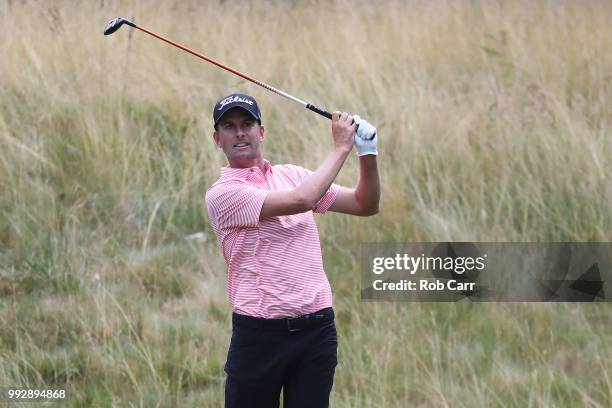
240, 137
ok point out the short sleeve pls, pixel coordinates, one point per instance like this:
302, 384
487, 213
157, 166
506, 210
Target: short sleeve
235, 204
328, 198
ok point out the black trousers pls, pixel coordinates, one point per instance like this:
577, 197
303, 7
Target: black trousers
298, 356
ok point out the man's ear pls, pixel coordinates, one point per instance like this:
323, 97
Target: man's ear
262, 133
217, 139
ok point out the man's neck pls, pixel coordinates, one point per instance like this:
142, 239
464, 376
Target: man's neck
245, 164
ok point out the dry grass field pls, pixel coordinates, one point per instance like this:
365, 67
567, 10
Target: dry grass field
494, 119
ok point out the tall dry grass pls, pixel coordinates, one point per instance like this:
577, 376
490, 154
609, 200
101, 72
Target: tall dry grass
494, 123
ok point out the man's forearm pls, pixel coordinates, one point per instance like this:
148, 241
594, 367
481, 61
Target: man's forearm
368, 188
314, 187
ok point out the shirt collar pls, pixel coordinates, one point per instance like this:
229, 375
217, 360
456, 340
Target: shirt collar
243, 172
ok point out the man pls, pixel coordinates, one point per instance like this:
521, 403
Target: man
283, 332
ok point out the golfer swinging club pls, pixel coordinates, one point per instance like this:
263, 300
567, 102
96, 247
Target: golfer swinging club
283, 331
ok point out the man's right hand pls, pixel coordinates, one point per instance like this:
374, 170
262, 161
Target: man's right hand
343, 131
306, 195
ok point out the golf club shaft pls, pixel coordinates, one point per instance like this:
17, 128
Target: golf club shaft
240, 74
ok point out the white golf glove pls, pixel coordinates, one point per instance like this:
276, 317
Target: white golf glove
365, 137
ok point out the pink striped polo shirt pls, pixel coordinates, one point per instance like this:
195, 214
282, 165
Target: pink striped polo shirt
275, 267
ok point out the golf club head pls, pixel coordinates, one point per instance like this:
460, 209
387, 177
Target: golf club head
115, 24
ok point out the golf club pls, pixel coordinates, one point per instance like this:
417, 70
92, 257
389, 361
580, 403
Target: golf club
115, 24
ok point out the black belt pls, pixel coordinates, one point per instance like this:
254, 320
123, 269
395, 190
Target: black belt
291, 324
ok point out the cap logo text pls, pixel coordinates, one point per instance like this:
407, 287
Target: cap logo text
232, 99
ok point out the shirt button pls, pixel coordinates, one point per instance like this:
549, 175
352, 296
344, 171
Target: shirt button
251, 170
